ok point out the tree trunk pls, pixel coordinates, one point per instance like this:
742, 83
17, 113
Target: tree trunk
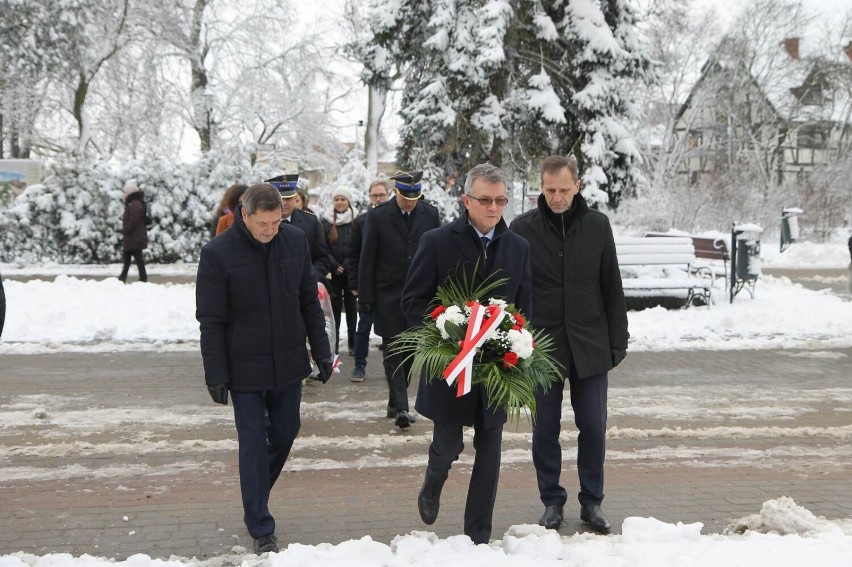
375, 110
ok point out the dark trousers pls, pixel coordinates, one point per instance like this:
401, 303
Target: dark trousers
140, 265
588, 399
482, 491
264, 449
396, 372
362, 338
343, 300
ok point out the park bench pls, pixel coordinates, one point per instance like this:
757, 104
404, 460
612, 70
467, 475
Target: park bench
706, 248
662, 266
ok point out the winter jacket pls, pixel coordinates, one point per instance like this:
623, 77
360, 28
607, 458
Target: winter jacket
339, 249
355, 240
256, 304
311, 226
386, 254
577, 290
441, 251
133, 223
226, 221
2, 306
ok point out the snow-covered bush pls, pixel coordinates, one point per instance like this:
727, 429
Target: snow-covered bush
75, 214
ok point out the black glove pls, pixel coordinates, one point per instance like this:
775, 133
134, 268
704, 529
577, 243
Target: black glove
325, 368
618, 355
219, 393
365, 308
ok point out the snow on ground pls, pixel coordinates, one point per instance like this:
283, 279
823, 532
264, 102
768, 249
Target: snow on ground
68, 313
782, 535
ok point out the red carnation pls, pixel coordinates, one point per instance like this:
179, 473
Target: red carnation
470, 303
516, 328
519, 319
437, 311
510, 360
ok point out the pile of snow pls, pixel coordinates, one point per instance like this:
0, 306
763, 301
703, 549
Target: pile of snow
644, 542
69, 313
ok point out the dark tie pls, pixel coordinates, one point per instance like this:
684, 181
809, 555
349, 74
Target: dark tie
485, 240
407, 217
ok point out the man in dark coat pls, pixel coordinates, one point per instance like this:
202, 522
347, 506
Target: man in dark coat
256, 299
478, 239
134, 230
391, 234
579, 301
378, 192
2, 306
307, 222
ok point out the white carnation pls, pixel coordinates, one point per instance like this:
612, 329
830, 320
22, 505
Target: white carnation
498, 302
521, 342
453, 314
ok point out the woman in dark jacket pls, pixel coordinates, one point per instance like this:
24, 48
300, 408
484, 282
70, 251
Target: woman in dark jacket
134, 230
337, 224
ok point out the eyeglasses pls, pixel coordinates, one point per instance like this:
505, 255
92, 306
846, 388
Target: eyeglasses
487, 201
378, 195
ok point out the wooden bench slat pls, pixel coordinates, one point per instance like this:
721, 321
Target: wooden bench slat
669, 249
650, 258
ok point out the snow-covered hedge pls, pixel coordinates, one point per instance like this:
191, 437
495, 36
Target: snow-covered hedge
75, 214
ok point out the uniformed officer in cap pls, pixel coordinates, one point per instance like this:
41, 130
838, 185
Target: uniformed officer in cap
392, 233
309, 223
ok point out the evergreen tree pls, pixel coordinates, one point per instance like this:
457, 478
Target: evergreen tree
511, 82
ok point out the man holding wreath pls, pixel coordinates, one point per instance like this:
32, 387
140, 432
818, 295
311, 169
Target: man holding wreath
479, 245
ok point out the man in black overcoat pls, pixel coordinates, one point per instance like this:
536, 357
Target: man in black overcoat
307, 222
256, 302
478, 239
378, 192
579, 301
392, 232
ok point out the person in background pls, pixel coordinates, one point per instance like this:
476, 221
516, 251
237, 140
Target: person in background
221, 209
234, 196
392, 233
302, 200
337, 223
134, 230
2, 306
378, 193
579, 302
480, 246
256, 304
304, 220
849, 269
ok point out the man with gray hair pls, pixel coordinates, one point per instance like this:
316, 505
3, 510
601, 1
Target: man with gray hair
256, 301
477, 246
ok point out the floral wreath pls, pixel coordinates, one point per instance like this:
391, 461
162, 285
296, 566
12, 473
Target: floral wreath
467, 339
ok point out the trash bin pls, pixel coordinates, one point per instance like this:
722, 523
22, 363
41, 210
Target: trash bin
748, 259
789, 226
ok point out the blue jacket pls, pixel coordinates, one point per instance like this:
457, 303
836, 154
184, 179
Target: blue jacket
442, 251
256, 304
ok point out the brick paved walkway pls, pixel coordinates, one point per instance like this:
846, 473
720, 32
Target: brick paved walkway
124, 453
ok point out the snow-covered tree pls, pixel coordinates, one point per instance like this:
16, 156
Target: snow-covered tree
511, 82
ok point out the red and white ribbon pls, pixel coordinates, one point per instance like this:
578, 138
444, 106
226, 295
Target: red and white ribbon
462, 365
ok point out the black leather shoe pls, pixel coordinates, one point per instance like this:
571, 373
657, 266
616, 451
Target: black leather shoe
403, 419
593, 516
429, 501
552, 517
266, 544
